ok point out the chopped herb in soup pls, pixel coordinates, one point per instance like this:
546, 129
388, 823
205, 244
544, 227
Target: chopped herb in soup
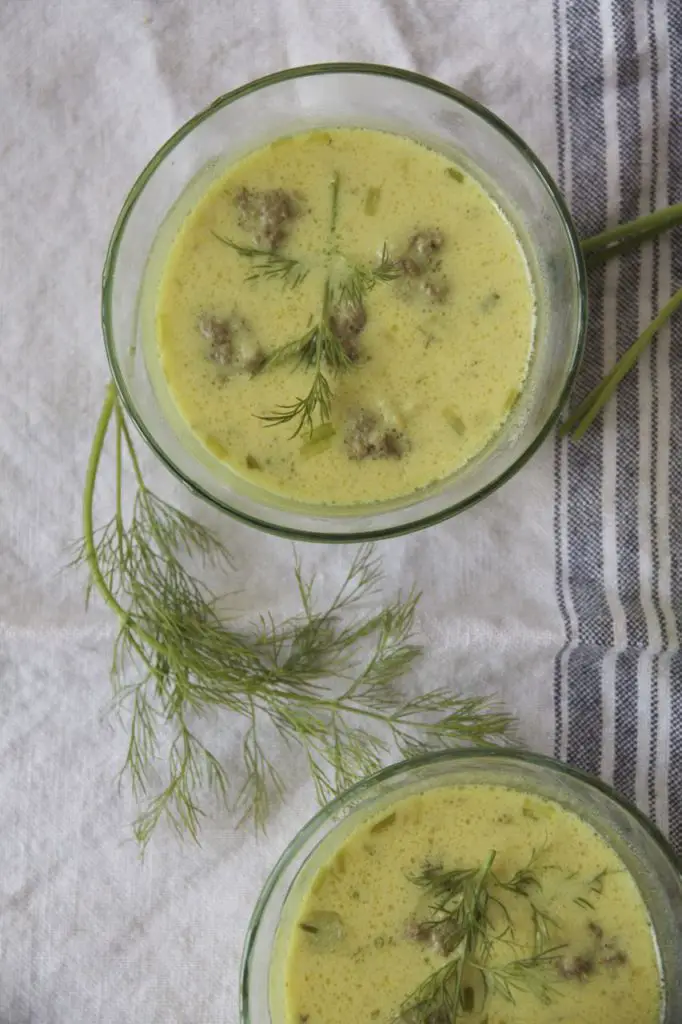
343, 317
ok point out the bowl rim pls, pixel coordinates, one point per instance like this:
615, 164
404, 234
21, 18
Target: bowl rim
406, 766
370, 532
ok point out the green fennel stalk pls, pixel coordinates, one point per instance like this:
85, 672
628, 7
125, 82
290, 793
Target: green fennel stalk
613, 242
620, 239
584, 414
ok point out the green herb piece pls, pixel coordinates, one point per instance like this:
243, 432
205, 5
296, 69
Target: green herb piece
511, 399
459, 900
300, 350
381, 826
542, 923
252, 462
327, 681
453, 173
584, 414
372, 200
325, 929
353, 286
268, 263
317, 401
319, 441
594, 886
215, 447
320, 349
523, 880
537, 810
467, 999
335, 185
438, 998
323, 432
454, 421
490, 302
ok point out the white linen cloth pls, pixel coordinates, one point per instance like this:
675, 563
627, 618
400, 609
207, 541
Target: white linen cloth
90, 89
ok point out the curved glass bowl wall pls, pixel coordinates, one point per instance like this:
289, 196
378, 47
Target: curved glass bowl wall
322, 96
640, 846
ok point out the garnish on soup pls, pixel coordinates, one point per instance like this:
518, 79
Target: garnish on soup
350, 281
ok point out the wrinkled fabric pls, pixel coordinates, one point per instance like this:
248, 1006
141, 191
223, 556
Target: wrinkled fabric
89, 933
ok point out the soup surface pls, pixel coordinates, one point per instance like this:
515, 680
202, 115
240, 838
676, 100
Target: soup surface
476, 904
345, 317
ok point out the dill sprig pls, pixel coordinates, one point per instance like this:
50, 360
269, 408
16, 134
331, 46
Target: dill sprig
268, 263
441, 997
317, 401
358, 280
594, 886
528, 974
461, 901
460, 925
351, 287
317, 348
327, 682
320, 349
526, 883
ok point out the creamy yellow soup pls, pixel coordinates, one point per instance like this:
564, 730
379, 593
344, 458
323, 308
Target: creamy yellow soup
345, 317
476, 904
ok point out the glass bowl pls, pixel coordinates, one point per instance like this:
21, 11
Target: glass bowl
643, 850
358, 95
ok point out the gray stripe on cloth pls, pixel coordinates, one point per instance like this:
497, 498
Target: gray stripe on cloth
627, 322
585, 708
582, 495
625, 762
559, 443
627, 406
675, 774
674, 10
653, 362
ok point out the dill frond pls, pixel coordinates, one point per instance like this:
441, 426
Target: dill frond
529, 974
328, 682
459, 925
302, 414
319, 348
268, 263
